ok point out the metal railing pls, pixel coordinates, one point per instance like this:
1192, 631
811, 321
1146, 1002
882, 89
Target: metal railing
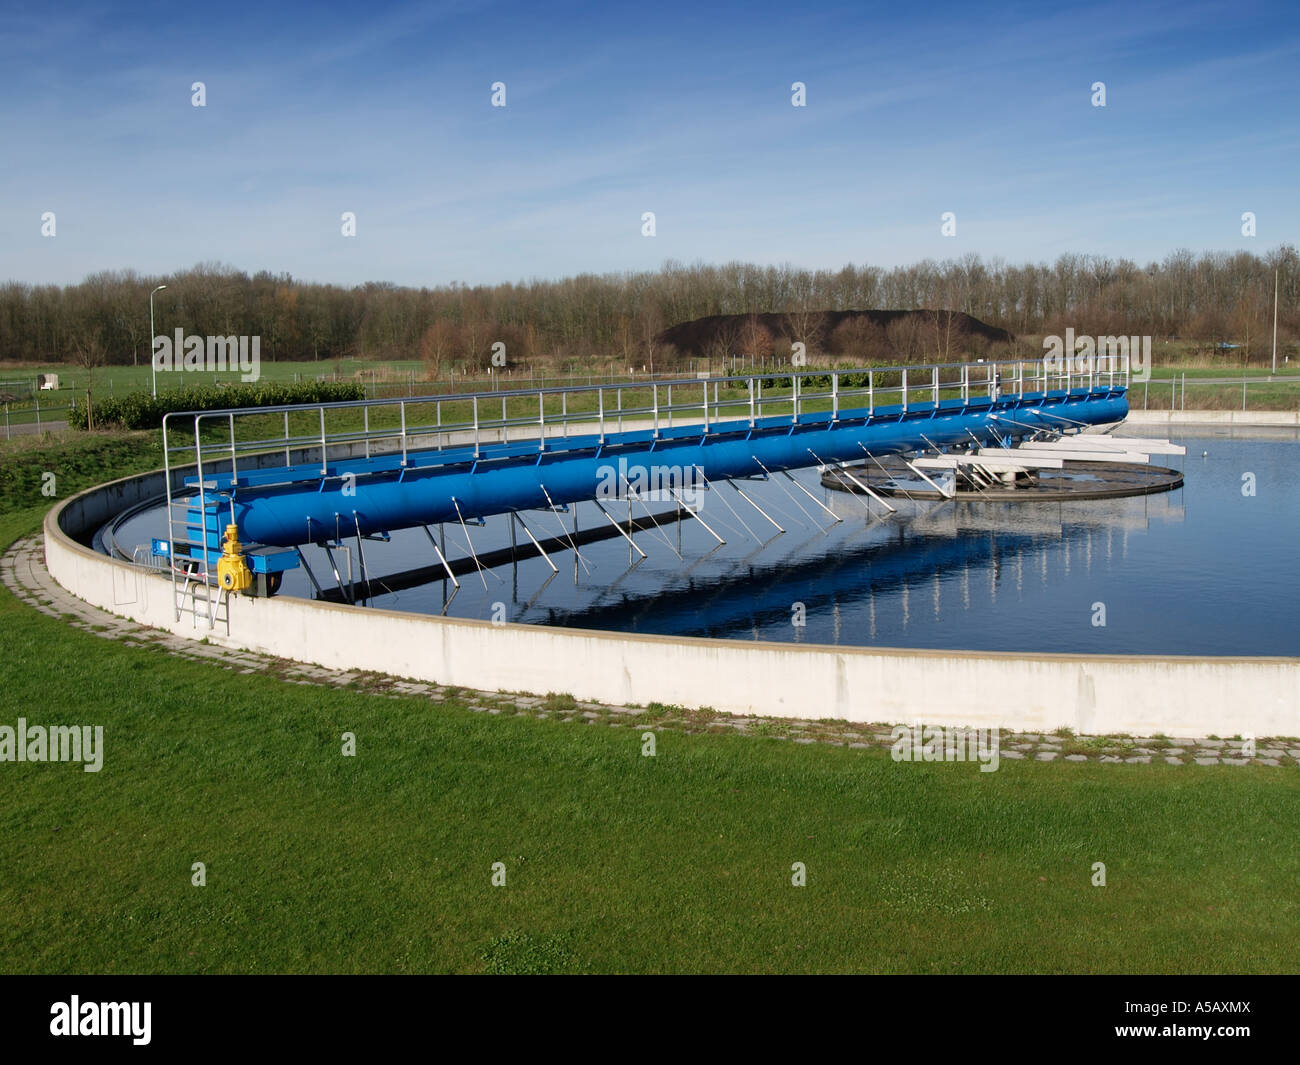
543, 417
604, 409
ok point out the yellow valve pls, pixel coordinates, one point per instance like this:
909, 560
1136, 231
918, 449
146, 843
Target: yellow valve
232, 571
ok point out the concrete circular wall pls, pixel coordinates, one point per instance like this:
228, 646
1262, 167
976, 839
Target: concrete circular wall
1091, 694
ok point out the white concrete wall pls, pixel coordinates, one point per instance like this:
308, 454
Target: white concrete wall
1140, 695
1252, 418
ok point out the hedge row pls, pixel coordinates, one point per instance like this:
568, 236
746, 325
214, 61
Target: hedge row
140, 410
814, 382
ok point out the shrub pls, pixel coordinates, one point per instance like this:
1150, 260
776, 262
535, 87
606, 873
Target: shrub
140, 410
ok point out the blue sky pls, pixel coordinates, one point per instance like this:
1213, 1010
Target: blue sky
680, 109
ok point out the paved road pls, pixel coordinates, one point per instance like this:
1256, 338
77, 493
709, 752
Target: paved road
29, 428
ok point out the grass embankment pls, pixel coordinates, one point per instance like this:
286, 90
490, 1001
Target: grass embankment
614, 861
76, 461
1166, 393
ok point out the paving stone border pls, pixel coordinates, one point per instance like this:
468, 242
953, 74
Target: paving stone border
23, 572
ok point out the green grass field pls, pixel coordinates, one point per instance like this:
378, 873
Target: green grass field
112, 379
614, 862
78, 461
139, 378
401, 378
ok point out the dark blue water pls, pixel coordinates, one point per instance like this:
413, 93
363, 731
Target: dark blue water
1205, 570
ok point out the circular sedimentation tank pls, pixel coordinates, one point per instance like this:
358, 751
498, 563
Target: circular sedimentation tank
1079, 480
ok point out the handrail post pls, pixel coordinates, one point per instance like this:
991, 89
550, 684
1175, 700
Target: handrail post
835, 396
286, 440
904, 390
475, 402
600, 406
936, 388
794, 395
324, 465
171, 534
871, 392
654, 402
965, 384
203, 500
234, 462
402, 406
706, 406
751, 402
365, 426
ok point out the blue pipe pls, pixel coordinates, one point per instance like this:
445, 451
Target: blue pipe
290, 506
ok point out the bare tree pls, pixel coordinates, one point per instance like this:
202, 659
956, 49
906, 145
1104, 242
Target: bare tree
722, 343
755, 339
88, 353
437, 344
905, 336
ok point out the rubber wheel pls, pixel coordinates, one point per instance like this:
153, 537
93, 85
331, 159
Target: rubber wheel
273, 583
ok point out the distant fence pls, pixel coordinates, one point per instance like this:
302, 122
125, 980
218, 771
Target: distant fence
31, 410
16, 391
40, 412
1179, 392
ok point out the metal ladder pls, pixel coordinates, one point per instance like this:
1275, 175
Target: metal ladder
196, 594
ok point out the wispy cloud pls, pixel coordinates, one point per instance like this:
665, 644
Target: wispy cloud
384, 110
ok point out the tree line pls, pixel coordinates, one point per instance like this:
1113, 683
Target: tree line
1212, 298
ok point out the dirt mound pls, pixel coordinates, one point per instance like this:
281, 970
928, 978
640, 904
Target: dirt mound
903, 335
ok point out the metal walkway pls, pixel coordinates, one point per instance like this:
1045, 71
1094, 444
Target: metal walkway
317, 474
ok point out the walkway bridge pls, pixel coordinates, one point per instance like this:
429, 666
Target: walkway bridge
278, 478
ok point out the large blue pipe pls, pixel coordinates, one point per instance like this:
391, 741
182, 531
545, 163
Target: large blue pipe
286, 507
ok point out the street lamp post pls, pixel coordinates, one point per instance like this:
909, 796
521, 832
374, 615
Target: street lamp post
153, 364
1274, 323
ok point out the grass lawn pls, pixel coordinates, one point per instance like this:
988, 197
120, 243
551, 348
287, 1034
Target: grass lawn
78, 460
318, 862
140, 378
